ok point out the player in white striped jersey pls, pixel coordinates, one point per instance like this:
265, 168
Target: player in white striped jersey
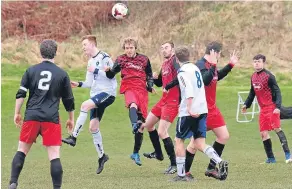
192, 116
102, 93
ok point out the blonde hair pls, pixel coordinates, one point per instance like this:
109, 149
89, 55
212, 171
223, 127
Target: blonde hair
130, 40
90, 38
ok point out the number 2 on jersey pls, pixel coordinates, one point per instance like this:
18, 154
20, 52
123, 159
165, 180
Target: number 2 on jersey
47, 77
199, 80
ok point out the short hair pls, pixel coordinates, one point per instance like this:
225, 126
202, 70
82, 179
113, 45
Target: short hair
48, 48
169, 42
259, 56
182, 54
215, 45
90, 38
130, 40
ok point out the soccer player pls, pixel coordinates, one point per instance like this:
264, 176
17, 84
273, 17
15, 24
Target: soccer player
215, 121
137, 80
264, 86
102, 94
47, 84
165, 110
192, 117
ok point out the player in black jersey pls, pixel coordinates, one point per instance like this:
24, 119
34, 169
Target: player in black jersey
47, 84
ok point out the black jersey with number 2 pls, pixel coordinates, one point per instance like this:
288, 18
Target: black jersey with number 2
47, 84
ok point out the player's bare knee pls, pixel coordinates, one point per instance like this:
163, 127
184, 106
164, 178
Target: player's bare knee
191, 148
133, 105
94, 126
198, 144
149, 127
24, 147
93, 129
277, 130
265, 135
85, 107
225, 138
162, 133
53, 152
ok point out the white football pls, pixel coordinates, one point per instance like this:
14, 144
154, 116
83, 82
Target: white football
120, 11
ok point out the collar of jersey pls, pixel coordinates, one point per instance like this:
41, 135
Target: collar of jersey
96, 54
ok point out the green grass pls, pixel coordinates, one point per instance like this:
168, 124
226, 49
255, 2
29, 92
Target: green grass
244, 150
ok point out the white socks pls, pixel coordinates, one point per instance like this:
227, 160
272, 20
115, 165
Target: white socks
211, 153
180, 163
97, 141
79, 123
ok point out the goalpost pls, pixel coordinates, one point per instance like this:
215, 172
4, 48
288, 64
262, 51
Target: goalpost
249, 115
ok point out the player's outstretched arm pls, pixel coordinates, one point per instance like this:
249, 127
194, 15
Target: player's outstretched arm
276, 92
88, 81
110, 73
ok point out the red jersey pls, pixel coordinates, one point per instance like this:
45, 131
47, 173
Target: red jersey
134, 71
264, 86
167, 74
211, 75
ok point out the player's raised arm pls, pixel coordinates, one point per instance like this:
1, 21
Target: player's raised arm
276, 92
224, 71
250, 97
149, 77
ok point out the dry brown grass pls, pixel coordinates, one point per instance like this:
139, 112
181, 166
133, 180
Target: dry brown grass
250, 27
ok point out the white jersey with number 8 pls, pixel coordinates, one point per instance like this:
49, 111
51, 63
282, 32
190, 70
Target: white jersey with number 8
191, 86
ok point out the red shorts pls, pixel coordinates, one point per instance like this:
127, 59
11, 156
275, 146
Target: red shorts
140, 98
165, 111
51, 133
214, 119
268, 120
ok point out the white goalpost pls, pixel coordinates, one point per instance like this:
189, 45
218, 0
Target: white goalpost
249, 115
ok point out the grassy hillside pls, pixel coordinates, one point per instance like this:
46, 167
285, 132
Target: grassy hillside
250, 27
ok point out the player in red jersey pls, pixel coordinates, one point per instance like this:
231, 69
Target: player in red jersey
137, 81
166, 108
215, 121
264, 86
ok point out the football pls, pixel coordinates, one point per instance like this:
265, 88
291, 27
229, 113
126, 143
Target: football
120, 11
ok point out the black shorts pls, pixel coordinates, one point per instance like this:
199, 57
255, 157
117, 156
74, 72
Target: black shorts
189, 126
102, 101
